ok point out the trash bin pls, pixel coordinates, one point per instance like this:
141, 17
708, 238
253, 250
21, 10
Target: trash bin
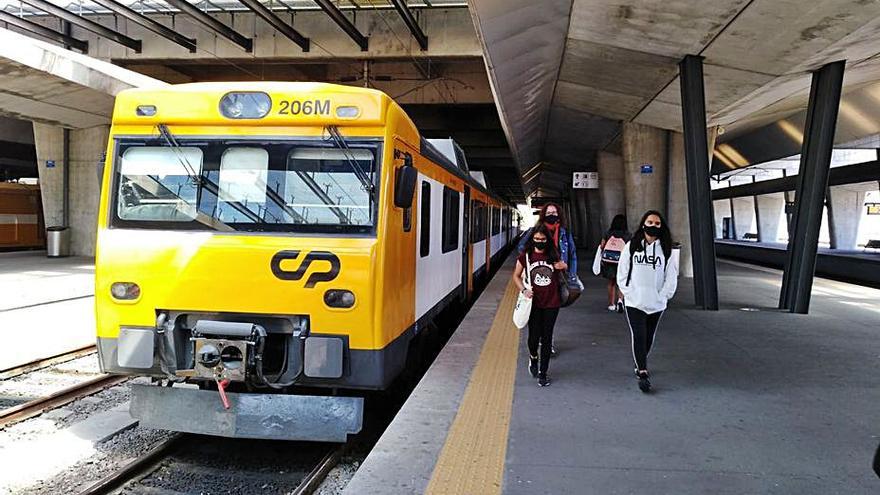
57, 241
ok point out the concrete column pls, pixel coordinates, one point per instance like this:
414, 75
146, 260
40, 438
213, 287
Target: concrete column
846, 210
744, 216
48, 141
722, 209
86, 151
771, 216
612, 188
644, 145
678, 217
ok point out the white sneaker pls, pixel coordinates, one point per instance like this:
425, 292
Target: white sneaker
612, 308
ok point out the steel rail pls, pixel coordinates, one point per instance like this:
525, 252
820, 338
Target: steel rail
37, 364
139, 466
317, 475
65, 396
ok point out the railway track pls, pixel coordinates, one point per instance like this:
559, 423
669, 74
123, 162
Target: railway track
62, 397
181, 457
37, 364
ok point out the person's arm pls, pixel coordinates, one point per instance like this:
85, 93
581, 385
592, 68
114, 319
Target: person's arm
670, 283
522, 241
517, 279
623, 268
573, 264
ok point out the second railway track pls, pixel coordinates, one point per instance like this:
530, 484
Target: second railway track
185, 463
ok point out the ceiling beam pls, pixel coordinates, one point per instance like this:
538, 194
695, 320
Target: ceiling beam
43, 32
277, 23
212, 24
339, 18
411, 23
138, 18
86, 24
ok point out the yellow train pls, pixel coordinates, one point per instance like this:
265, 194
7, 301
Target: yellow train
269, 251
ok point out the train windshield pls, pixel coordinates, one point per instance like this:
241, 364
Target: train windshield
309, 186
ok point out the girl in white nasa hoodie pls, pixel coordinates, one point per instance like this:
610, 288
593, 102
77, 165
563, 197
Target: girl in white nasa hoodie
647, 276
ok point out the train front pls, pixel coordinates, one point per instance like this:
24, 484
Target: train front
237, 243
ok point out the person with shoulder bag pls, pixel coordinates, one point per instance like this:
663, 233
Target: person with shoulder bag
608, 257
551, 218
648, 276
540, 261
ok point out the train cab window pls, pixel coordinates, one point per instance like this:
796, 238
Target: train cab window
425, 220
451, 210
243, 175
156, 184
323, 186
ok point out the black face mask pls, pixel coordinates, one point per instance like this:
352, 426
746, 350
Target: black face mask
551, 219
652, 230
541, 245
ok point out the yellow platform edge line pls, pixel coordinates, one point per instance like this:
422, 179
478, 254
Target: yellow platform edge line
472, 459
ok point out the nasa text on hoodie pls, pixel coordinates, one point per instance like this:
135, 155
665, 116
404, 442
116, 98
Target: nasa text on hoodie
654, 278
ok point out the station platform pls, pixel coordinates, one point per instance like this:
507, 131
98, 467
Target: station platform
47, 304
858, 267
747, 399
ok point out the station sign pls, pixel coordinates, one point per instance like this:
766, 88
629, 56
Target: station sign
646, 168
873, 208
585, 180
50, 163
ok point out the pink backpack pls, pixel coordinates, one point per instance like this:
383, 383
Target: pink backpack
613, 247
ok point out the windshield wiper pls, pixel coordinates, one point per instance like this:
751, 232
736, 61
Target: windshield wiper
366, 180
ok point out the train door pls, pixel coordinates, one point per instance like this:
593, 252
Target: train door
466, 276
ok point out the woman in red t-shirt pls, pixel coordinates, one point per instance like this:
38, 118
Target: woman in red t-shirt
543, 264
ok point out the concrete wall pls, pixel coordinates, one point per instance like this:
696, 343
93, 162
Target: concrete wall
612, 187
744, 216
722, 209
678, 215
846, 214
644, 145
771, 217
86, 150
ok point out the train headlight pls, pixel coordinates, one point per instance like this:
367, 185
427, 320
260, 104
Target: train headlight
337, 298
146, 110
245, 105
347, 112
125, 291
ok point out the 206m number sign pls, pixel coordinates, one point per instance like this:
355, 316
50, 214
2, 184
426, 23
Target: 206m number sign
307, 107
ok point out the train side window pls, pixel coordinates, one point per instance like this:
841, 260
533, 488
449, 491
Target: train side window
425, 220
451, 215
496, 220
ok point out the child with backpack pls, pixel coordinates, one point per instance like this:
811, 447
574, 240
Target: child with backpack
609, 252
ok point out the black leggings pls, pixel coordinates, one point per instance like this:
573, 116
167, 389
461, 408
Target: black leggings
642, 327
541, 323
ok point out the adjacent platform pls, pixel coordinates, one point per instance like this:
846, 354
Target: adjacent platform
747, 400
46, 305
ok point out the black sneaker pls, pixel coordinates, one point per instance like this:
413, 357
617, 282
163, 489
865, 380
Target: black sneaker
637, 375
644, 383
533, 366
553, 352
620, 306
543, 380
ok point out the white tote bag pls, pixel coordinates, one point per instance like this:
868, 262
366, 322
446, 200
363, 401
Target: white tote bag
523, 308
597, 261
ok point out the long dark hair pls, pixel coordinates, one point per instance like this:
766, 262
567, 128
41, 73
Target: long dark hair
550, 250
618, 224
543, 213
639, 235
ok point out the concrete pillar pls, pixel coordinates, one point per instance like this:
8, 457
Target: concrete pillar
744, 216
771, 217
48, 140
644, 145
722, 210
846, 212
612, 189
87, 147
678, 217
